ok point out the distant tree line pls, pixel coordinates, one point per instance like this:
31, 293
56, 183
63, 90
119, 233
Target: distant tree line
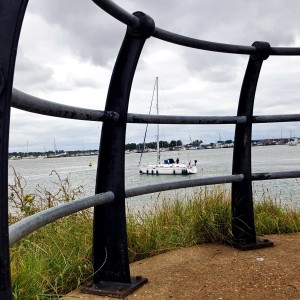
51, 153
153, 145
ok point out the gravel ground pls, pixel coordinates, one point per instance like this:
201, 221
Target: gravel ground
220, 272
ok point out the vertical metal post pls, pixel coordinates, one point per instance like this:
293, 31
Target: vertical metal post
110, 253
11, 17
243, 227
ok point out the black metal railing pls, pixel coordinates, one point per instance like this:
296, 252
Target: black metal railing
109, 232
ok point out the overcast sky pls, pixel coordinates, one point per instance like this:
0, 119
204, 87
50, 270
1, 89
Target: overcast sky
68, 48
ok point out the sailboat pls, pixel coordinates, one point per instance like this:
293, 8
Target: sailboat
292, 141
168, 166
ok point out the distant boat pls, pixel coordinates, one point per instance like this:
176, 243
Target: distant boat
168, 166
293, 142
29, 157
56, 155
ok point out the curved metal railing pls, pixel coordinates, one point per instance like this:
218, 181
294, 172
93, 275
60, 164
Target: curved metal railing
27, 225
29, 103
123, 16
110, 192
30, 224
24, 101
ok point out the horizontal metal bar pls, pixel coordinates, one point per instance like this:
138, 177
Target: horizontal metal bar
118, 12
275, 175
148, 189
276, 118
27, 225
23, 101
200, 44
285, 51
33, 104
163, 119
217, 47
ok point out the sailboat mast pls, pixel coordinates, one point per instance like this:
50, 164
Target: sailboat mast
54, 146
157, 111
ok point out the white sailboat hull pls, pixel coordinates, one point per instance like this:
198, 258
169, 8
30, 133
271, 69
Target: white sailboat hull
168, 169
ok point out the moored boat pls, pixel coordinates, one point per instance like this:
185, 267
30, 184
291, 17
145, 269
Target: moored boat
168, 166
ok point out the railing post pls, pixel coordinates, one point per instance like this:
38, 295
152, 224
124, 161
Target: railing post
110, 253
243, 227
11, 17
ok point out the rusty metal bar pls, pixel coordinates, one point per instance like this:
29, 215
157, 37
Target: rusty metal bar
11, 18
110, 252
23, 101
243, 228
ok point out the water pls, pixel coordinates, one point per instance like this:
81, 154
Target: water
211, 162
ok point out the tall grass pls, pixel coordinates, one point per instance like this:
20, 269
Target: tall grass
57, 258
53, 260
179, 223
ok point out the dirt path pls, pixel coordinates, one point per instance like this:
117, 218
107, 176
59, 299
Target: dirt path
220, 272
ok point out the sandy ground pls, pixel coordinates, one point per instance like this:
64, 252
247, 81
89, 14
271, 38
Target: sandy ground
220, 272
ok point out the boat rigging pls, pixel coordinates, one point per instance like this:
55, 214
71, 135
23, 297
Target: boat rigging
168, 166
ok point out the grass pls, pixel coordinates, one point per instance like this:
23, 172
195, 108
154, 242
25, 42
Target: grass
53, 260
173, 224
57, 258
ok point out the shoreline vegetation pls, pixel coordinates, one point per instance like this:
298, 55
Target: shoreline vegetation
57, 258
174, 145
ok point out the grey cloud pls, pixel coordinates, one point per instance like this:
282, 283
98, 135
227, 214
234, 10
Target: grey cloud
94, 36
30, 74
85, 28
41, 131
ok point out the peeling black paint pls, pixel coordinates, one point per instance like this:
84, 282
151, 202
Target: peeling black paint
261, 176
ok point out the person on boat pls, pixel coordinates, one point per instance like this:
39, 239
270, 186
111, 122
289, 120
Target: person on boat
177, 160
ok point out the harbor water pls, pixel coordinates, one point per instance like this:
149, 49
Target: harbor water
81, 171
